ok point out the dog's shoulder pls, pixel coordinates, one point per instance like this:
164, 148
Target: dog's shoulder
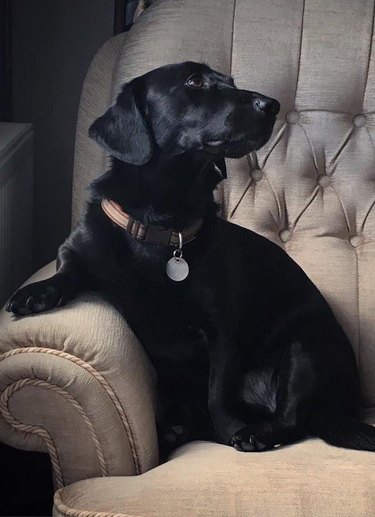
230, 232
258, 252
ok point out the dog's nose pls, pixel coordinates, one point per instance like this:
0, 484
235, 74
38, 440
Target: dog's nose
266, 105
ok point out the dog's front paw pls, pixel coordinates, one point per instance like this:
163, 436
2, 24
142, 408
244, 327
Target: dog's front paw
252, 438
170, 439
33, 298
176, 435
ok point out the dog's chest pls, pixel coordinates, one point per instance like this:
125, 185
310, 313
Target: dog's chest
163, 314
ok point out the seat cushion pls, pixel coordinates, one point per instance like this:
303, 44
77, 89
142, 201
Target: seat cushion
207, 479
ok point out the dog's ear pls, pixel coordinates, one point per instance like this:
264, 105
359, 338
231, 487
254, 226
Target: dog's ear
123, 131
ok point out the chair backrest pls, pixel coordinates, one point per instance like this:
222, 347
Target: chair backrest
311, 189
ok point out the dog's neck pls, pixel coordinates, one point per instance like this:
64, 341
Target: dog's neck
172, 192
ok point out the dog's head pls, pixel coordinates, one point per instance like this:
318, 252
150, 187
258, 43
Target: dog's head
185, 107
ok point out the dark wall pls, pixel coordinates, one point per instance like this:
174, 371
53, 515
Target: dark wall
53, 44
5, 61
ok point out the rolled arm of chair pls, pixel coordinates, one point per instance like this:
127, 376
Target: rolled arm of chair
76, 383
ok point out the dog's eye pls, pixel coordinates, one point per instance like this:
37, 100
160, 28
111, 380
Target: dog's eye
195, 81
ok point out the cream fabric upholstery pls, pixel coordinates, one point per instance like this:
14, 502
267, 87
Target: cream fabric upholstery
310, 480
311, 190
76, 383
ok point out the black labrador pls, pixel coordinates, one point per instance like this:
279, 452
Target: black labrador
246, 349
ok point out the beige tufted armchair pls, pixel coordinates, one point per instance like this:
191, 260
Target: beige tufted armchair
76, 383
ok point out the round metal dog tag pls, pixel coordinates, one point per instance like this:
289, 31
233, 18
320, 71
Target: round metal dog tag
177, 269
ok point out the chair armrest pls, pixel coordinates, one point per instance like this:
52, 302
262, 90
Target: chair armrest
76, 383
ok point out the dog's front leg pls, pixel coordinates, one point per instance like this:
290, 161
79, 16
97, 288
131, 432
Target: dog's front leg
222, 388
54, 291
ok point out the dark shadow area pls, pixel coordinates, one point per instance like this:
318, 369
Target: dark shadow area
26, 481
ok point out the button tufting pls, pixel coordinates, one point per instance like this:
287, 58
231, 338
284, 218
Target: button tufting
356, 240
324, 180
256, 174
285, 235
359, 120
292, 117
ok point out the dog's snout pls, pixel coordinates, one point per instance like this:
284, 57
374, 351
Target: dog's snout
266, 105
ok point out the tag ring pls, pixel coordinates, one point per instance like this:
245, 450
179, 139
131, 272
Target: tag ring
177, 254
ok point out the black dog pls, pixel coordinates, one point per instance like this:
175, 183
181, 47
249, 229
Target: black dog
246, 349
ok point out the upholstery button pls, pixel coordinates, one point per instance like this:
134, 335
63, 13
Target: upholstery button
285, 235
359, 120
324, 180
356, 240
256, 174
292, 117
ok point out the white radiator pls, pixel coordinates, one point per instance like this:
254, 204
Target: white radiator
16, 206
